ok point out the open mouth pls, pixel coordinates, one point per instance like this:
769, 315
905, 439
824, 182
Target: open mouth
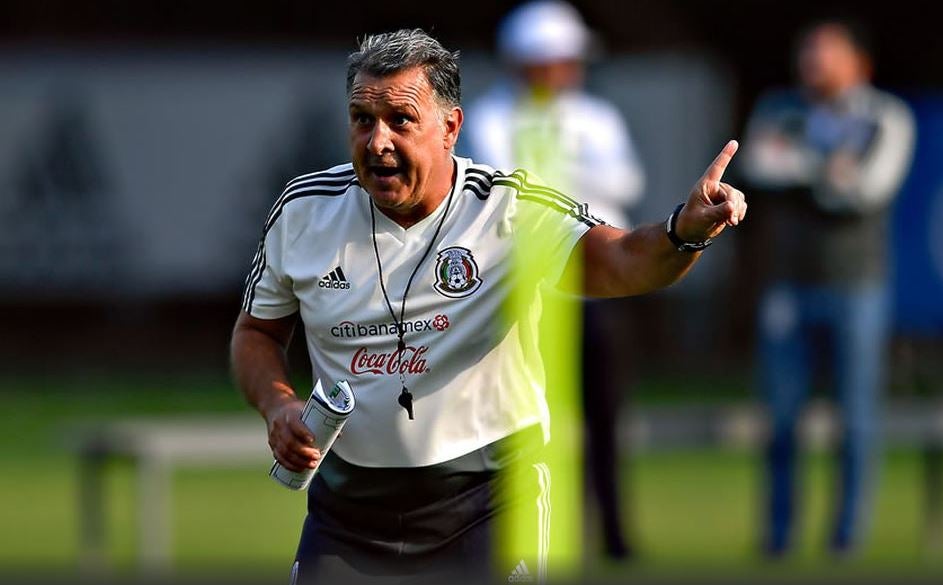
385, 171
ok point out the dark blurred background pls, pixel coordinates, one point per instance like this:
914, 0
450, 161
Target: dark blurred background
142, 143
80, 77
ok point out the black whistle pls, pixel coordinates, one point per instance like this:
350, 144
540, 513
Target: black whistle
406, 401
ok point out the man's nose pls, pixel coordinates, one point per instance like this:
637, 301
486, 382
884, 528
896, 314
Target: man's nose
380, 139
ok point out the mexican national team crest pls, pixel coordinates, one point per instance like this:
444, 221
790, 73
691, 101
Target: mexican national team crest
456, 273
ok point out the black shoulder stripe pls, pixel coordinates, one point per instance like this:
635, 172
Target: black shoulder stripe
478, 181
521, 175
314, 184
549, 193
479, 175
331, 189
253, 279
481, 189
510, 181
480, 193
347, 170
276, 213
320, 181
588, 220
544, 201
326, 188
548, 198
479, 171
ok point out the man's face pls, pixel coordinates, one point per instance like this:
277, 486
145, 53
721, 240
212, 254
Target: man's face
829, 63
401, 139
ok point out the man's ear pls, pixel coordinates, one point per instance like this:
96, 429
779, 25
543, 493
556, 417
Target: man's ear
453, 124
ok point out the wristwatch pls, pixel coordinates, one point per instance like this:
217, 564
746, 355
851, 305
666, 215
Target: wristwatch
680, 244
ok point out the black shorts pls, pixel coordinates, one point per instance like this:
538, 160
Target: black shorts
428, 529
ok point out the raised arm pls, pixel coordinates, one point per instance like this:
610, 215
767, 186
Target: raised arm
619, 263
260, 369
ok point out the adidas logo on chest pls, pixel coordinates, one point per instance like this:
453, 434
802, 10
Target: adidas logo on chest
335, 279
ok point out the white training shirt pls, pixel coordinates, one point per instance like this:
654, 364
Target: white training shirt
474, 376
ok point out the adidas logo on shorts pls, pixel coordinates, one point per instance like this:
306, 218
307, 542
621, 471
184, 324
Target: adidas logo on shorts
520, 574
334, 279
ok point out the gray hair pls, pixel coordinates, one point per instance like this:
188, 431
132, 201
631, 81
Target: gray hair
388, 53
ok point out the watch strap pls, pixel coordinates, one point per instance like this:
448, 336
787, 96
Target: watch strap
681, 245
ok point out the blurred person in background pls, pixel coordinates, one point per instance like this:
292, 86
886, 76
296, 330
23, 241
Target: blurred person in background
827, 159
541, 118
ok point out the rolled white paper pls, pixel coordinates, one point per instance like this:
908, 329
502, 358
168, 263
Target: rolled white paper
324, 415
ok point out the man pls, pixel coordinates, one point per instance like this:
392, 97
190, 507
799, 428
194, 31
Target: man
830, 157
540, 118
448, 392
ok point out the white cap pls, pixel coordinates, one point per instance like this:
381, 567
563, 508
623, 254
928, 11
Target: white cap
542, 31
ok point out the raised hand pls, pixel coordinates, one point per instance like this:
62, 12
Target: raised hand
713, 204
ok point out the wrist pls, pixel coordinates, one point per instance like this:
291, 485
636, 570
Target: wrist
278, 396
682, 244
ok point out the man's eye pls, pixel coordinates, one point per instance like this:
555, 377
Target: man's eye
362, 119
401, 120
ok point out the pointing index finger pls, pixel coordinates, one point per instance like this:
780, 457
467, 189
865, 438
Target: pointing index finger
715, 171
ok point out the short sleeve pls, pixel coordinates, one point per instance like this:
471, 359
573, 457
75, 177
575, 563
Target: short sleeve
548, 225
268, 293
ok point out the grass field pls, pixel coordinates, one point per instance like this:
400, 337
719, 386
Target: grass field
693, 512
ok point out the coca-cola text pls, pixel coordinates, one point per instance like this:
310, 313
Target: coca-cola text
409, 361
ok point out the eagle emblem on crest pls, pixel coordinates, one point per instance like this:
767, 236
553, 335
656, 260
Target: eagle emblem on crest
456, 273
